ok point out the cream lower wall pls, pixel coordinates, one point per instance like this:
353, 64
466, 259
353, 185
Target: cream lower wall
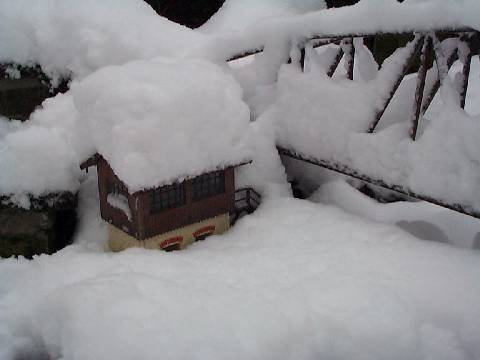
119, 240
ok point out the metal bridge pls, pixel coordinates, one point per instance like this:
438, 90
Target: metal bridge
425, 52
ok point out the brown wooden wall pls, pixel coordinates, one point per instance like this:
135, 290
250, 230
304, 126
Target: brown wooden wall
144, 224
109, 213
193, 211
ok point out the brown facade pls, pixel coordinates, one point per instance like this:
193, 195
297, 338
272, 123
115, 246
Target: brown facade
172, 240
146, 223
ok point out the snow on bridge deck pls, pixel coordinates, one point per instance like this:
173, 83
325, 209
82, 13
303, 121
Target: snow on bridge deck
326, 122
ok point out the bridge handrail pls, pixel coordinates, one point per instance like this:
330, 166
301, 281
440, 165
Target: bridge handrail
249, 195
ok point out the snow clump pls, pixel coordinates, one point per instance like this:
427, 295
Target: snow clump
166, 119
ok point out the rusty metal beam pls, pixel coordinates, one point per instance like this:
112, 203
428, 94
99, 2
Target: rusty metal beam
345, 170
320, 40
398, 81
465, 72
421, 76
349, 57
336, 61
440, 32
436, 86
245, 54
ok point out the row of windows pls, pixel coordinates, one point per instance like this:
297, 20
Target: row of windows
208, 185
167, 197
172, 196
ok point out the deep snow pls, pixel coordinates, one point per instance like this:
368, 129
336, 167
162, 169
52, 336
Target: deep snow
237, 15
297, 279
74, 38
294, 280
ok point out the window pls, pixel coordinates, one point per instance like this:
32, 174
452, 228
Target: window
167, 197
208, 185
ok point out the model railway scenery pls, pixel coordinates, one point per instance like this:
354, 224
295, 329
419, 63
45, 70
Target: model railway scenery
239, 179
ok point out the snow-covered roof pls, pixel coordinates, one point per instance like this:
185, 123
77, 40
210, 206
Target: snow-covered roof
159, 121
155, 122
70, 37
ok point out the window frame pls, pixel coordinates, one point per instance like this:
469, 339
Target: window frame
208, 185
167, 197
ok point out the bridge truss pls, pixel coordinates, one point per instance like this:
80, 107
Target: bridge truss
426, 51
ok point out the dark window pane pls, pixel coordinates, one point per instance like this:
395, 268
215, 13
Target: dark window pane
208, 185
167, 197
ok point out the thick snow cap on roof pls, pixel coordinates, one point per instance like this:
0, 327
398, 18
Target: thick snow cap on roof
164, 120
71, 37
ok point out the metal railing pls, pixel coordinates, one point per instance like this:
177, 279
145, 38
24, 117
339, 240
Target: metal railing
246, 202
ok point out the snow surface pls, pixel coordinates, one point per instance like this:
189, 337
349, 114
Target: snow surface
237, 15
68, 38
421, 219
297, 279
294, 280
366, 17
74, 38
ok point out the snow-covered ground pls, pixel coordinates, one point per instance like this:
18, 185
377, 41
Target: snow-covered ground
295, 280
337, 276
